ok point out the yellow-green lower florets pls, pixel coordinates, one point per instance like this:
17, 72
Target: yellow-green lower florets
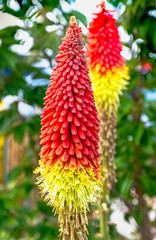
108, 86
68, 191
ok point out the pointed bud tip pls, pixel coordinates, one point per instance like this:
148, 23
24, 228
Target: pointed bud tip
73, 20
102, 4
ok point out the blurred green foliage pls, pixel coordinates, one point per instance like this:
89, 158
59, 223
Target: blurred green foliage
136, 130
22, 214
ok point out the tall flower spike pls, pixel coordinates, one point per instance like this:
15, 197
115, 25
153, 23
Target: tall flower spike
69, 165
109, 77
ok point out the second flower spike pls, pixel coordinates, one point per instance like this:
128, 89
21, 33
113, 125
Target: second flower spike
109, 77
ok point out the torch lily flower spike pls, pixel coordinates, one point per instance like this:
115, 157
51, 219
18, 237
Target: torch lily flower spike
109, 77
69, 166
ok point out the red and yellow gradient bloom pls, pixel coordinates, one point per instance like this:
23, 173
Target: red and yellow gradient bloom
109, 77
108, 72
69, 165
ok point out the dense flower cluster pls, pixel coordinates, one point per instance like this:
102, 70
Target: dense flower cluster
108, 72
69, 165
109, 77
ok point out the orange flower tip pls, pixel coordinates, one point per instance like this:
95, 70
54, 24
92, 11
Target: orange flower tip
103, 7
73, 21
102, 4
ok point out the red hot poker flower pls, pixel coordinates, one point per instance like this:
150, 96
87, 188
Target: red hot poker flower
109, 77
69, 165
69, 119
104, 46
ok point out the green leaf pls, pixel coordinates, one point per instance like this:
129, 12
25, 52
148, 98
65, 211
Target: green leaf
16, 172
138, 133
79, 16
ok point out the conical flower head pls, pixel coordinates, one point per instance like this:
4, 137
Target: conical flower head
69, 119
104, 47
69, 165
108, 72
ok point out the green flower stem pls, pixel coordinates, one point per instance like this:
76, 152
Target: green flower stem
104, 231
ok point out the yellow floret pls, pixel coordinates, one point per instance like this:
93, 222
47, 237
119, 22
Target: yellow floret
108, 86
68, 191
